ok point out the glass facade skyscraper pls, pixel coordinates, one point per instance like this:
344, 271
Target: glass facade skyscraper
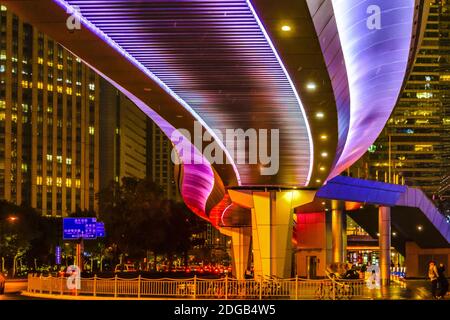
49, 155
414, 147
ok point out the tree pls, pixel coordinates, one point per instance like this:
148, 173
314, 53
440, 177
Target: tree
138, 219
23, 230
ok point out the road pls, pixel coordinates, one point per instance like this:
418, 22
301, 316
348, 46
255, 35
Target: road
13, 289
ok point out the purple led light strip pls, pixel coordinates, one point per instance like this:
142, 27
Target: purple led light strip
150, 41
152, 76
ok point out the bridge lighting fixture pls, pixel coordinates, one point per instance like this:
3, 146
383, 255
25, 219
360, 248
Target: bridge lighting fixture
311, 86
322, 168
324, 154
419, 228
320, 115
323, 137
286, 28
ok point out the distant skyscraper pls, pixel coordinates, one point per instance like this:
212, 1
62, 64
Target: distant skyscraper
49, 124
160, 167
416, 139
123, 137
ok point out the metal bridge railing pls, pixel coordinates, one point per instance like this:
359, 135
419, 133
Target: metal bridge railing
196, 288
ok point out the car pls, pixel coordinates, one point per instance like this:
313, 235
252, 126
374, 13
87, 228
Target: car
2, 283
125, 268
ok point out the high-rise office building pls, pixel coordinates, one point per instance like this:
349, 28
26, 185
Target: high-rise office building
160, 167
414, 147
49, 121
123, 137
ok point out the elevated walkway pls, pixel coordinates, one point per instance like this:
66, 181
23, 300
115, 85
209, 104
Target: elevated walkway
414, 216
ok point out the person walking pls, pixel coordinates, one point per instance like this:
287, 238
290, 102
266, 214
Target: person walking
433, 275
443, 282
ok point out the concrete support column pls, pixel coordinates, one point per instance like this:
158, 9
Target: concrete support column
338, 226
257, 267
384, 229
272, 223
240, 250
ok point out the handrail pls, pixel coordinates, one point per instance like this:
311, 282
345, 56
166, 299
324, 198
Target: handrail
198, 288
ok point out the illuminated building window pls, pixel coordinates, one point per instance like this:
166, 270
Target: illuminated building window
40, 60
58, 181
50, 63
49, 157
59, 159
69, 90
91, 97
40, 85
2, 104
445, 77
49, 181
78, 183
49, 87
68, 160
91, 86
2, 8
68, 182
59, 89
91, 130
60, 66
24, 167
39, 180
446, 121
2, 115
423, 147
14, 117
424, 95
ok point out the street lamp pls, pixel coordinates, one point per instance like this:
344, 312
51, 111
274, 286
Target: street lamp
12, 219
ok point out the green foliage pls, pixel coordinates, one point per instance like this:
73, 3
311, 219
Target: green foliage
25, 234
137, 218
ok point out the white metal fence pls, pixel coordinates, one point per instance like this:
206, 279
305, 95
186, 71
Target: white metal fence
196, 288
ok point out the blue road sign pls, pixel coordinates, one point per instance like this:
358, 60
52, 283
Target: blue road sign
100, 230
58, 255
79, 228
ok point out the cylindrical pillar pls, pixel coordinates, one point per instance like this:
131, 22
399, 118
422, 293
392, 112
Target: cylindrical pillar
384, 229
337, 231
